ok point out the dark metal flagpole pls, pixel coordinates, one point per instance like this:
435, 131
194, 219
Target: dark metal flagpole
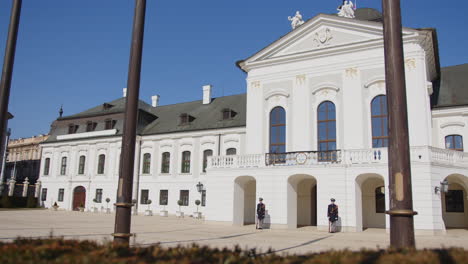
7, 71
401, 197
124, 192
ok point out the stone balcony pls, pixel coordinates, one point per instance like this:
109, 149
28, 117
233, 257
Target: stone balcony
337, 157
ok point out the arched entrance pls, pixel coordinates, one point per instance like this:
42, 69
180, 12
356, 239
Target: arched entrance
454, 202
370, 201
245, 189
302, 201
79, 197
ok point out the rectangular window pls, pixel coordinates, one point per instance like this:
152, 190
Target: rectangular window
207, 153
90, 126
163, 197
44, 194
46, 166
98, 196
81, 165
185, 162
72, 129
110, 124
144, 196
203, 198
63, 167
165, 163
454, 201
60, 195
101, 163
184, 197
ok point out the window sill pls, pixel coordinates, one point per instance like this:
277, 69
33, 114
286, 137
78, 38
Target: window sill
185, 173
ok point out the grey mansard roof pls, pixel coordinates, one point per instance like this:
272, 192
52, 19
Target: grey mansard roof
452, 88
157, 120
207, 116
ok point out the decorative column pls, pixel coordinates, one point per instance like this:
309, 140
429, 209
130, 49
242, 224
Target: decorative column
25, 187
37, 189
11, 184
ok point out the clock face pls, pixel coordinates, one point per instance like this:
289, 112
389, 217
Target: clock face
301, 158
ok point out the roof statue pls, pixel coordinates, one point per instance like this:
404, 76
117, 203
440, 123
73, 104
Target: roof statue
296, 20
346, 9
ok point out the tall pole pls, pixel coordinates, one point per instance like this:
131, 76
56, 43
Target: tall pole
7, 72
401, 200
5, 153
124, 193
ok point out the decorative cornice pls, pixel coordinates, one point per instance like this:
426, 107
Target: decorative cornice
321, 86
461, 124
374, 80
276, 93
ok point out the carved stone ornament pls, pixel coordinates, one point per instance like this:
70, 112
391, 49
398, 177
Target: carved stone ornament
300, 79
351, 73
323, 37
255, 84
410, 63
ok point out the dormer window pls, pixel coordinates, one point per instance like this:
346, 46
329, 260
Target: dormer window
90, 126
110, 124
72, 128
185, 119
228, 114
107, 106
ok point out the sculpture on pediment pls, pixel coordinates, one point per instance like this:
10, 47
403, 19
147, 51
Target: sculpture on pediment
322, 37
346, 9
296, 20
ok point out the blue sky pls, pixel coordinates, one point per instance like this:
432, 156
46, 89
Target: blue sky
76, 53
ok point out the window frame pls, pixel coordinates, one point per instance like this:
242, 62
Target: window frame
329, 153
452, 138
91, 126
166, 162
81, 164
109, 124
185, 162
163, 197
98, 196
231, 154
46, 170
44, 194
276, 114
382, 104
205, 158
72, 128
144, 196
146, 167
63, 166
101, 164
61, 194
203, 198
182, 196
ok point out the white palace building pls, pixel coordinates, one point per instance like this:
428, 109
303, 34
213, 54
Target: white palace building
312, 126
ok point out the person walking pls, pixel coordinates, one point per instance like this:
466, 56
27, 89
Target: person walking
332, 216
260, 214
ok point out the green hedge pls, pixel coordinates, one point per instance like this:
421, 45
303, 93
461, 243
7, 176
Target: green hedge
71, 251
18, 202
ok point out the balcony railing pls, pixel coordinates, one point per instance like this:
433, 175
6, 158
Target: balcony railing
345, 157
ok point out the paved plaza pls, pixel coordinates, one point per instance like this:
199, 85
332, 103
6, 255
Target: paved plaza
171, 231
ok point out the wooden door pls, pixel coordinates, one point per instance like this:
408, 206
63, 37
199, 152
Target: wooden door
79, 197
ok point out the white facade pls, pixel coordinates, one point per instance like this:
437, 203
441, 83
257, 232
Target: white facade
328, 59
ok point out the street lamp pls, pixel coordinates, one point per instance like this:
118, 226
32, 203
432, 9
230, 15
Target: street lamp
200, 187
443, 188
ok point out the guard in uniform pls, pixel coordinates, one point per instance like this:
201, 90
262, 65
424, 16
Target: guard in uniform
260, 214
332, 216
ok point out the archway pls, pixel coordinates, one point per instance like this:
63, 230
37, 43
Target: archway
79, 197
302, 201
245, 190
370, 201
454, 202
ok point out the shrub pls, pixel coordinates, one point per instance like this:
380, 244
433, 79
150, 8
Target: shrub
71, 251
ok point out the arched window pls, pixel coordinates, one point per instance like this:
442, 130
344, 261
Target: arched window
165, 162
146, 163
379, 117
46, 166
185, 162
101, 163
278, 130
380, 200
231, 151
454, 142
207, 153
63, 167
326, 123
81, 165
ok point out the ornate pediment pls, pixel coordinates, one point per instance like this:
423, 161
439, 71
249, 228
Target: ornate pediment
324, 34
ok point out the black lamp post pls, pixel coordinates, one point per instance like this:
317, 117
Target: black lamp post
200, 187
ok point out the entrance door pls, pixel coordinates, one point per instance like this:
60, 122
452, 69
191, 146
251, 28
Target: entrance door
79, 197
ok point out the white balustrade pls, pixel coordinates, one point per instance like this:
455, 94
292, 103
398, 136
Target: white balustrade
345, 157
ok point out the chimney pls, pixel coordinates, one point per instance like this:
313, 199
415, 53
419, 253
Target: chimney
124, 92
207, 94
155, 100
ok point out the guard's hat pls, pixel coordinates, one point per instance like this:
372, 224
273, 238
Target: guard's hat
261, 199
332, 199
